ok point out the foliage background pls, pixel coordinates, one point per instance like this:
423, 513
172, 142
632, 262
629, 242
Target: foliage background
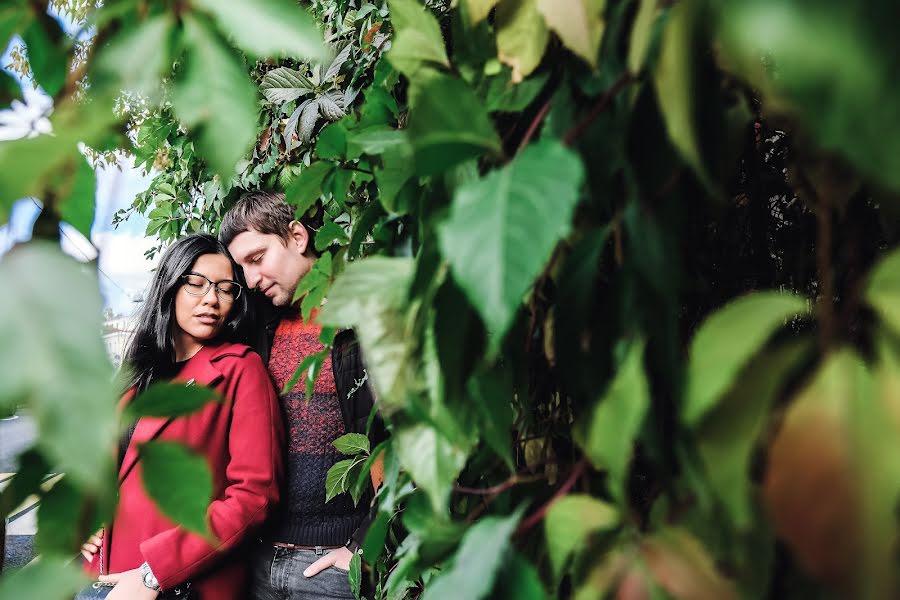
625, 273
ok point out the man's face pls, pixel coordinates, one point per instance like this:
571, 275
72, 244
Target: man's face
271, 265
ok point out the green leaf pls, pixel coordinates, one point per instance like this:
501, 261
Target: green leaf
307, 187
728, 434
522, 36
352, 443
340, 475
431, 460
493, 397
378, 140
479, 9
616, 420
883, 290
501, 230
417, 38
373, 545
61, 514
331, 233
53, 360
332, 141
269, 28
138, 57
77, 207
520, 580
283, 84
9, 89
674, 82
504, 96
642, 34
448, 125
474, 567
170, 399
30, 472
355, 574
396, 170
215, 98
51, 578
370, 297
578, 23
570, 522
179, 482
48, 58
727, 340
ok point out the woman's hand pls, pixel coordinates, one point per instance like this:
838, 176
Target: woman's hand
92, 546
129, 586
339, 558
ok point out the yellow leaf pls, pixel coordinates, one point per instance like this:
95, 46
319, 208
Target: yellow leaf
578, 23
522, 36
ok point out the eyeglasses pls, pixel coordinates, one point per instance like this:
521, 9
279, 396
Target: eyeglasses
196, 284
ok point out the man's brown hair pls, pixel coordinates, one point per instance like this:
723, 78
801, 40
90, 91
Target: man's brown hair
262, 211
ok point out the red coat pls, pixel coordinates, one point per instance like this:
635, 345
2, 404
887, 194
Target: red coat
242, 438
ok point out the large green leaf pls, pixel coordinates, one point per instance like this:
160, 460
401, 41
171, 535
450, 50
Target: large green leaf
433, 461
352, 443
341, 475
520, 580
268, 28
448, 124
51, 578
77, 207
476, 564
48, 47
307, 187
179, 482
370, 296
616, 420
284, 84
215, 98
578, 23
138, 57
53, 361
170, 399
502, 229
417, 39
728, 434
479, 9
883, 290
727, 340
522, 36
569, 523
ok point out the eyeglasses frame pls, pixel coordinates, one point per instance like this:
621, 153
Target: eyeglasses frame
211, 283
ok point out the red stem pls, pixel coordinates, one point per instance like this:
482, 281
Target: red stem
564, 489
598, 109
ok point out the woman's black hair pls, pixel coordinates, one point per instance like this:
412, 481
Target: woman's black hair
152, 345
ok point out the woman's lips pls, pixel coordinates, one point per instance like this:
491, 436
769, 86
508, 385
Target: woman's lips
208, 319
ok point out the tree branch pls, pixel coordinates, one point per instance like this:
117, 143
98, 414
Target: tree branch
602, 104
564, 489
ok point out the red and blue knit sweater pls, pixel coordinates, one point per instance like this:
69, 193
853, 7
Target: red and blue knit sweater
312, 425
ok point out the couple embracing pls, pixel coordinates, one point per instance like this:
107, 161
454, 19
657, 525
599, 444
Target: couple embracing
275, 536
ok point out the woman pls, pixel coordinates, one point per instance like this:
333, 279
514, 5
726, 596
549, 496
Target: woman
195, 303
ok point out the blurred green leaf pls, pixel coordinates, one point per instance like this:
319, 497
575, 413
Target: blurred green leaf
370, 297
352, 443
170, 399
617, 418
493, 397
179, 482
505, 96
77, 207
519, 580
138, 57
479, 9
448, 124
60, 516
355, 574
332, 141
268, 28
331, 233
522, 36
727, 340
395, 171
373, 545
501, 230
474, 567
378, 140
728, 434
883, 289
417, 39
30, 472
51, 340
431, 460
642, 34
683, 567
307, 187
47, 45
578, 23
9, 89
215, 98
51, 578
569, 524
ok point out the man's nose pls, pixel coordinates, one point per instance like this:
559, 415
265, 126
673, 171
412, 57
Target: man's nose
253, 278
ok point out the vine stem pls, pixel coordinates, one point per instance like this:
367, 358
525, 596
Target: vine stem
500, 487
602, 104
532, 129
564, 489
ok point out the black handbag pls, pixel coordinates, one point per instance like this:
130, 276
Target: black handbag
98, 590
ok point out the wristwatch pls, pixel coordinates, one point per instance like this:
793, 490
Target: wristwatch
149, 578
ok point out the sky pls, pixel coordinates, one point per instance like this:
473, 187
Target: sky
123, 270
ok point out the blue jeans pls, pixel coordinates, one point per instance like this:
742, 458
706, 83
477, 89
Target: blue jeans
277, 574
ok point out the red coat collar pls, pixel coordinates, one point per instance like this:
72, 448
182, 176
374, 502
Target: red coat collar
199, 370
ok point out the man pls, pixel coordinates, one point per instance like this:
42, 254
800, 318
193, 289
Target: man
308, 535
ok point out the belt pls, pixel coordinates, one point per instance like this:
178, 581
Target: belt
318, 549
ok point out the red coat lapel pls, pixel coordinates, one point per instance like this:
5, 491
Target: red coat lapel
198, 371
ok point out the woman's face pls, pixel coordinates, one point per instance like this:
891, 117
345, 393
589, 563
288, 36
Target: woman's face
199, 317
